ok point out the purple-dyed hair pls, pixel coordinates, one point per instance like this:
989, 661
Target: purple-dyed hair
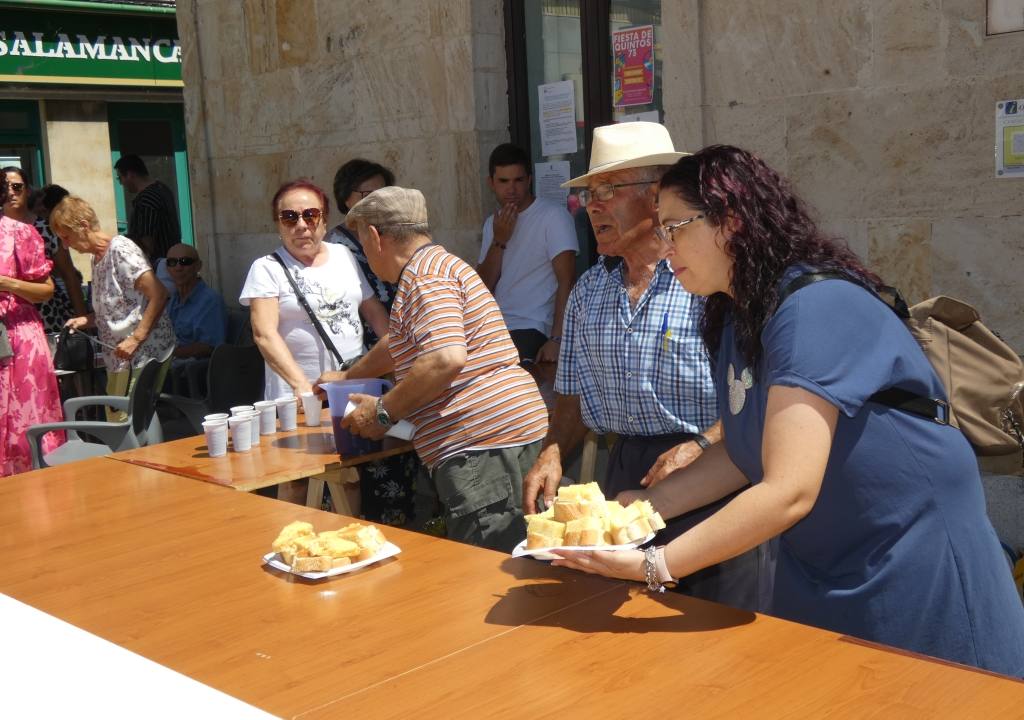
302, 184
774, 231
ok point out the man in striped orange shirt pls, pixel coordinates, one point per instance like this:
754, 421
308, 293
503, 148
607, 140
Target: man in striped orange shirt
479, 417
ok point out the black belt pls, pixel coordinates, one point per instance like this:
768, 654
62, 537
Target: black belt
678, 436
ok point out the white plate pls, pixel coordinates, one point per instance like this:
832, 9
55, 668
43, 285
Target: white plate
274, 560
545, 553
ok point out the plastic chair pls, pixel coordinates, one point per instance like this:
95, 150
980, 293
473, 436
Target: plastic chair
234, 377
142, 427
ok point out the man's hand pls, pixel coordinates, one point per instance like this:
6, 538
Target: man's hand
363, 420
505, 223
542, 480
628, 497
548, 352
328, 377
671, 460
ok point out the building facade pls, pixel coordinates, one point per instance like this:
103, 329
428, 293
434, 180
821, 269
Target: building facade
82, 83
882, 113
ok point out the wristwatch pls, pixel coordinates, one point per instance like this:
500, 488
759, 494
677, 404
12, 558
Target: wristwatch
702, 441
382, 415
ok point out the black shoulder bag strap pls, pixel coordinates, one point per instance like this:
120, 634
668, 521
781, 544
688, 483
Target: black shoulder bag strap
312, 315
931, 408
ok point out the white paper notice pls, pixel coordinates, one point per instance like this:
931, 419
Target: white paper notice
557, 118
1010, 138
548, 178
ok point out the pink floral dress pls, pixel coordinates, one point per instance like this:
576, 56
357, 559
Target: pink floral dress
28, 387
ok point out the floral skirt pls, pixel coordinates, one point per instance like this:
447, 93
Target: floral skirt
388, 489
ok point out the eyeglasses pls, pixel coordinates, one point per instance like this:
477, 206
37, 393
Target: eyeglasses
665, 232
183, 261
605, 191
290, 218
16, 187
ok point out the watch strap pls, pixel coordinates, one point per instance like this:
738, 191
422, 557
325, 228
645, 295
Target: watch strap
702, 441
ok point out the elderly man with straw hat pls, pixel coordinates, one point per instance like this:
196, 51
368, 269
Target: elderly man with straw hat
632, 360
479, 417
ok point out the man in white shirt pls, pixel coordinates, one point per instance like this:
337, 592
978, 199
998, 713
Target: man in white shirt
528, 256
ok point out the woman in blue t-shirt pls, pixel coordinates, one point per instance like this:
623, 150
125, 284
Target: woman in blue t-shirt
876, 515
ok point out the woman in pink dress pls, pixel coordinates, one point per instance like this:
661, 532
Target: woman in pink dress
28, 387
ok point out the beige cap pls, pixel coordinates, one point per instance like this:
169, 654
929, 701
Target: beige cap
628, 145
390, 205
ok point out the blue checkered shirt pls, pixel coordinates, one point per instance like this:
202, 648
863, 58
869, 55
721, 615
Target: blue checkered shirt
638, 371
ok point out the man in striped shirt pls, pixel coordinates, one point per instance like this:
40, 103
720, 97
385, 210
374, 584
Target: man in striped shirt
479, 418
153, 224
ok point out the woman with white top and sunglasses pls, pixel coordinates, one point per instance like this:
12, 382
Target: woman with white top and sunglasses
332, 283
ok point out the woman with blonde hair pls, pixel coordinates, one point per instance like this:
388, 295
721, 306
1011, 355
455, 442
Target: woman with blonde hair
128, 301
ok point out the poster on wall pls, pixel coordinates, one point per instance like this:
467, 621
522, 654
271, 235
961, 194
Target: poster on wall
633, 63
557, 118
548, 179
1010, 138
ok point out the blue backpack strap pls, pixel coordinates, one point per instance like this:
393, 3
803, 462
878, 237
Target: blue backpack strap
931, 408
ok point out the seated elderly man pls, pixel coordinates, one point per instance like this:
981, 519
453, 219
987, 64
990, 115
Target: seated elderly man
199, 317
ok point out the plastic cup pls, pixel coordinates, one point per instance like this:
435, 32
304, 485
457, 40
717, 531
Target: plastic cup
241, 433
311, 408
338, 393
213, 417
254, 428
216, 432
239, 409
287, 411
268, 416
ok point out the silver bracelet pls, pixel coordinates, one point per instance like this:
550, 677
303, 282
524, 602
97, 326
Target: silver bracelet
650, 566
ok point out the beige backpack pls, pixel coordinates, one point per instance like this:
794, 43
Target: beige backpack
982, 375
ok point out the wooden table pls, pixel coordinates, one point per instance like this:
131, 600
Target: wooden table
282, 457
170, 569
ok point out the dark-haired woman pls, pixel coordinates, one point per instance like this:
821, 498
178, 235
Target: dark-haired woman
67, 300
28, 387
355, 180
386, 485
878, 513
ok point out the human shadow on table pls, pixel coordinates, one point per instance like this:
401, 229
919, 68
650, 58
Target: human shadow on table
599, 613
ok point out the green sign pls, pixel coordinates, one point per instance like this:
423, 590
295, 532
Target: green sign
93, 49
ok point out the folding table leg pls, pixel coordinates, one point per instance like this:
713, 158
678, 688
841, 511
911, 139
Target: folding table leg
315, 492
344, 487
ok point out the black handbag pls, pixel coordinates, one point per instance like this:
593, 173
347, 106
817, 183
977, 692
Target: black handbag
74, 351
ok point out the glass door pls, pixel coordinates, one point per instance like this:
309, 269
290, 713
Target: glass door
20, 139
156, 133
608, 51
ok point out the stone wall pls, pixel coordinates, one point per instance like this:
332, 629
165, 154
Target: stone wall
277, 89
882, 114
78, 156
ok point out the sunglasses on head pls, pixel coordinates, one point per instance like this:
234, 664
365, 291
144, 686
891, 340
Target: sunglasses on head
290, 218
184, 261
16, 187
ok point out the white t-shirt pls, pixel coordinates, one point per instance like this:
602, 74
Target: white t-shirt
333, 290
527, 286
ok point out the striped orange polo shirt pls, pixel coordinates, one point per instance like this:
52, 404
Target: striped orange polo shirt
493, 403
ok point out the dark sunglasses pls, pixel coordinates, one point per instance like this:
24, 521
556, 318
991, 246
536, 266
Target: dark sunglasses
16, 187
184, 262
290, 218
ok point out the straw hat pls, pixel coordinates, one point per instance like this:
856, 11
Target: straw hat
628, 145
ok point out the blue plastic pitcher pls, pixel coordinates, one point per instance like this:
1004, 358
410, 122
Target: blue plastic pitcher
350, 445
